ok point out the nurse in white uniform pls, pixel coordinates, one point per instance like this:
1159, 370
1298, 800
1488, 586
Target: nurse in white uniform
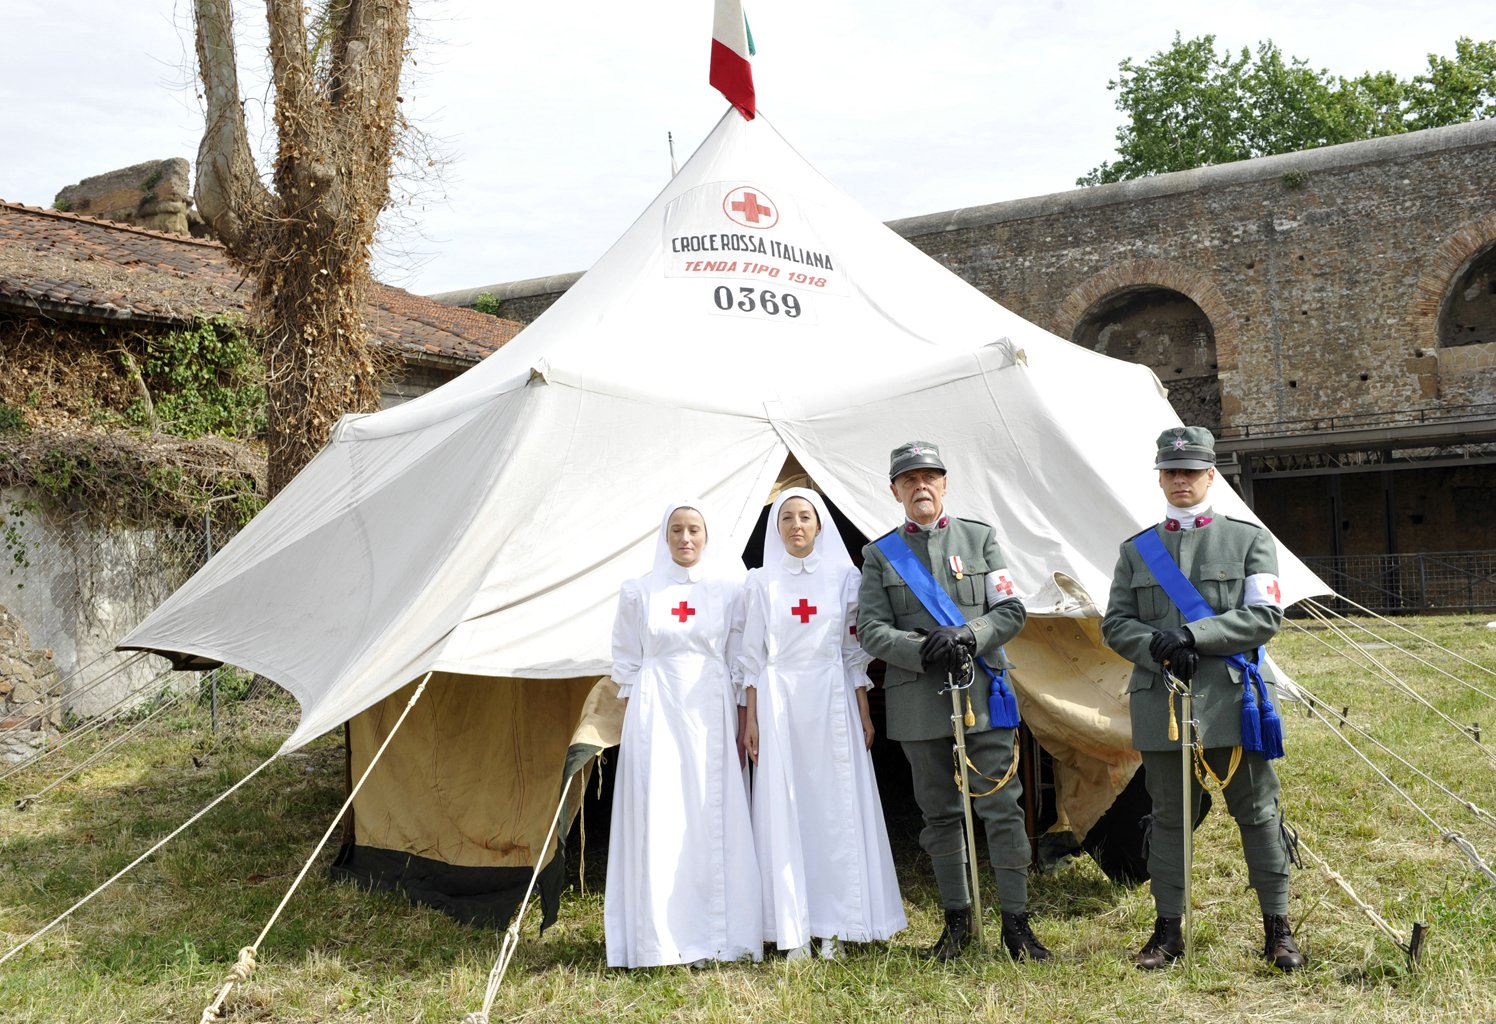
818, 825
683, 881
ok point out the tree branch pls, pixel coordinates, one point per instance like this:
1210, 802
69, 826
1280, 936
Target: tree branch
230, 195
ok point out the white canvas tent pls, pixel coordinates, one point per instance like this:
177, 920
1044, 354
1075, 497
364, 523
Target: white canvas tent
752, 313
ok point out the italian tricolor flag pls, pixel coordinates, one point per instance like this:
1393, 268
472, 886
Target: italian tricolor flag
732, 45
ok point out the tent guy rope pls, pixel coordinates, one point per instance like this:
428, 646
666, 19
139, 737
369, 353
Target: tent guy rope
56, 704
245, 965
1448, 835
98, 755
511, 937
1385, 673
1397, 625
138, 860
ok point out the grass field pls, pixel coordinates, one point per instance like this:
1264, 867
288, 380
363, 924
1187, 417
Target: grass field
155, 946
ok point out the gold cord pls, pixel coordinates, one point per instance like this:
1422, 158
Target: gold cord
1221, 783
1008, 777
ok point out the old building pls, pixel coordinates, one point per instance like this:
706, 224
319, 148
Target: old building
83, 304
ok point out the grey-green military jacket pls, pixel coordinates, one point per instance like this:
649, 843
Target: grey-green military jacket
1217, 559
888, 613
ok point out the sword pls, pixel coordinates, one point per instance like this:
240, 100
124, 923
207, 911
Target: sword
1186, 760
958, 727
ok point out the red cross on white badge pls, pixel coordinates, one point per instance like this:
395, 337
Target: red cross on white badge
1276, 591
1002, 583
681, 610
804, 609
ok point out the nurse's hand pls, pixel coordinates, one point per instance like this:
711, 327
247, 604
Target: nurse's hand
750, 738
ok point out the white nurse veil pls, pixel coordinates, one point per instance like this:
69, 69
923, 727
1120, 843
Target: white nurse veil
828, 545
717, 562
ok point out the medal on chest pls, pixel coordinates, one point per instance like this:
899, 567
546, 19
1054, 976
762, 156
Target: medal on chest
956, 566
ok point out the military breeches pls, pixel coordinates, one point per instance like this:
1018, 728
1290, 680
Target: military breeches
933, 765
1252, 799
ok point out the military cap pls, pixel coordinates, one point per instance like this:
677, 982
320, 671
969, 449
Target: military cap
914, 455
1185, 448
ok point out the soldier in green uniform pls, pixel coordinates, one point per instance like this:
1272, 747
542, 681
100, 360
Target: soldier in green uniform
892, 624
1234, 566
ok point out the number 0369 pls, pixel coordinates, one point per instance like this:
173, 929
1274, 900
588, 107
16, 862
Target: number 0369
756, 300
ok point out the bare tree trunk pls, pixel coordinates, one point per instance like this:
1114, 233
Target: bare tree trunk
306, 244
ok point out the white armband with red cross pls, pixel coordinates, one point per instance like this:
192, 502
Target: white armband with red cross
1000, 587
1262, 588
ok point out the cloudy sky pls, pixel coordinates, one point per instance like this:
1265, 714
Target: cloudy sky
551, 119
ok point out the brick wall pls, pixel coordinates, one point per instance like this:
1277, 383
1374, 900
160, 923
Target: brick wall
1321, 274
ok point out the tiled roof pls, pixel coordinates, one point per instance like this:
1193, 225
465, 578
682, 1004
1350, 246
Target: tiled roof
79, 267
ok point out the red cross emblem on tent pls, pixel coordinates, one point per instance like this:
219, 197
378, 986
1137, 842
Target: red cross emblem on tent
681, 610
749, 207
804, 609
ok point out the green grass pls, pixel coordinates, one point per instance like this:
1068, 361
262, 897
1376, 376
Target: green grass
155, 946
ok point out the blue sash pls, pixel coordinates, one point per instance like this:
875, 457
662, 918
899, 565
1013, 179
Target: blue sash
1002, 706
1261, 728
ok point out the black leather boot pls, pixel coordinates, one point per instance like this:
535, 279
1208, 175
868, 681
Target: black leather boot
1278, 947
955, 937
1020, 939
1166, 945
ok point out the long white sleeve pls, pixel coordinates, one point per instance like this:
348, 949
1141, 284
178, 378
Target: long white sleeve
628, 637
854, 659
734, 651
753, 652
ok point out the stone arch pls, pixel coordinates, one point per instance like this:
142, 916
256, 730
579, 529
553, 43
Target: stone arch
1142, 290
1442, 270
1444, 316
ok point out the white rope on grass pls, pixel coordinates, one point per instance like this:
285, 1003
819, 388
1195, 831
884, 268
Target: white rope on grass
93, 725
511, 937
106, 718
1328, 611
1468, 849
1469, 805
131, 866
1365, 908
26, 801
245, 965
1391, 677
1392, 622
1448, 835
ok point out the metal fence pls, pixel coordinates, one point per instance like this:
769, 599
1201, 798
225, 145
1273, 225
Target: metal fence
1421, 582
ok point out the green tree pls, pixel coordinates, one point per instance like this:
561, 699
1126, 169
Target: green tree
1191, 106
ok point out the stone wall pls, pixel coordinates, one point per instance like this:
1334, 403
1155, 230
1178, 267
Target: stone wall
1321, 274
152, 195
28, 680
75, 589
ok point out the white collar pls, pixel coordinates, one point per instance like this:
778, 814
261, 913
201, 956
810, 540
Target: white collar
1187, 518
795, 566
677, 573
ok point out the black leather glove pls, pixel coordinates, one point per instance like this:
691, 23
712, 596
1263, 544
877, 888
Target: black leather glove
1166, 641
1183, 662
942, 646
